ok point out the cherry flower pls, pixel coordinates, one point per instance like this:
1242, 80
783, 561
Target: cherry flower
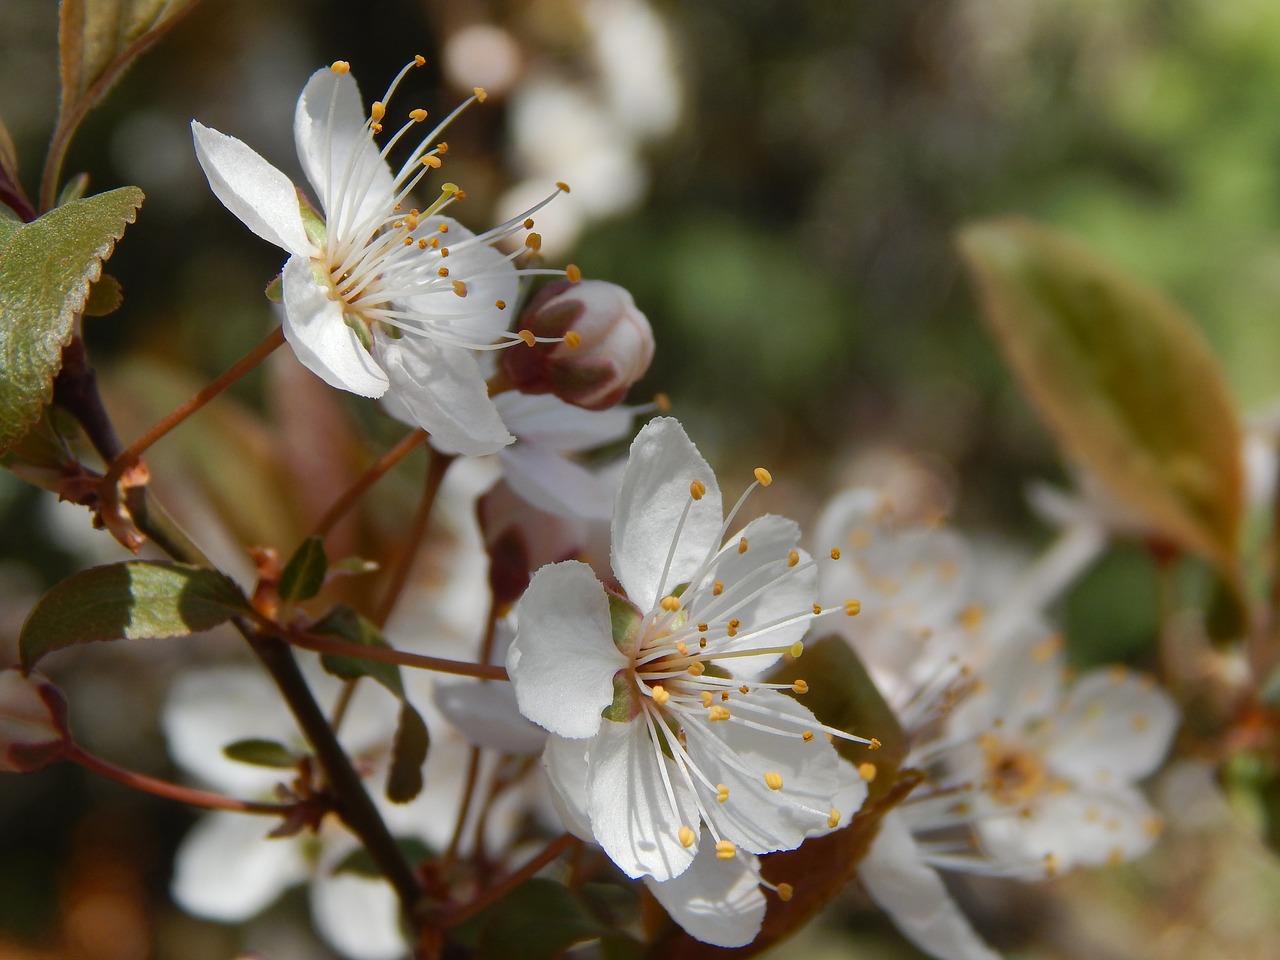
655, 693
379, 299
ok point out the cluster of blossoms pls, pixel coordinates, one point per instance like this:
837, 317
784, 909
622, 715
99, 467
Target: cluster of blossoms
650, 650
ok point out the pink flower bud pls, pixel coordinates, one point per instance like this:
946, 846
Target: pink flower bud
608, 348
33, 722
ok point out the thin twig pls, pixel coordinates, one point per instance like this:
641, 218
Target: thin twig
437, 467
170, 791
341, 648
513, 880
366, 480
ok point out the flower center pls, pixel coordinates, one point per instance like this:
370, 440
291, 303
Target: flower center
1014, 775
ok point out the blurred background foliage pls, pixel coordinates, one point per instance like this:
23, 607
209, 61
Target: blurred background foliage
786, 182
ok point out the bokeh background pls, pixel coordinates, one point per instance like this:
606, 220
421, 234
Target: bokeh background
779, 185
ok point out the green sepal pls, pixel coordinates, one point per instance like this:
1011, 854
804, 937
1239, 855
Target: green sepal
624, 622
304, 574
262, 753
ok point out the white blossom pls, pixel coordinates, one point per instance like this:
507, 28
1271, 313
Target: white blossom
380, 298
687, 738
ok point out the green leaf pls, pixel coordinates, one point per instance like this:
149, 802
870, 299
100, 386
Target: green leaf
346, 624
97, 41
135, 600
262, 753
408, 754
73, 189
409, 749
360, 862
105, 297
539, 920
46, 267
304, 574
1121, 377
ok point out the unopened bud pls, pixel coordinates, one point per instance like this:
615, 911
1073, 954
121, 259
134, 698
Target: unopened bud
33, 722
610, 350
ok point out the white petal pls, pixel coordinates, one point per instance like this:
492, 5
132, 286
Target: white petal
441, 390
632, 816
1021, 685
755, 817
255, 191
565, 763
339, 155
1115, 727
651, 501
227, 869
911, 892
716, 901
487, 715
315, 327
558, 486
563, 660
1088, 827
358, 916
546, 420
791, 591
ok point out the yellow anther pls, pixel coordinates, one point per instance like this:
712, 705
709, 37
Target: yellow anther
442, 272
807, 736
835, 553
422, 244
573, 339
444, 227
528, 337
660, 695
480, 94
785, 892
670, 603
742, 544
682, 649
375, 127
717, 588
562, 185
763, 476
534, 242
431, 161
697, 489
874, 744
793, 558
662, 402
718, 713
444, 251
528, 223
702, 627
419, 60
697, 668
378, 110
500, 304
418, 115
732, 627
408, 241
852, 607
867, 771
707, 697
459, 288
800, 686
702, 643
725, 850
573, 273
433, 243
724, 695
442, 147
797, 649
773, 780
340, 67
722, 793
971, 616
817, 609
833, 818
687, 837
744, 689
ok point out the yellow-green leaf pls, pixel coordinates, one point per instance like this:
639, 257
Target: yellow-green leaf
137, 599
46, 267
1121, 377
